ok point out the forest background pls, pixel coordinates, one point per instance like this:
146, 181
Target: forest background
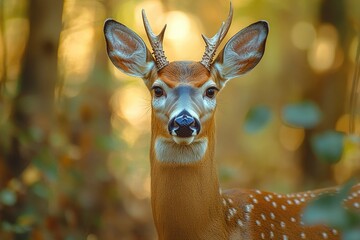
75, 132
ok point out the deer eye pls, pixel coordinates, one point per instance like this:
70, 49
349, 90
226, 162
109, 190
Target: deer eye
211, 92
158, 91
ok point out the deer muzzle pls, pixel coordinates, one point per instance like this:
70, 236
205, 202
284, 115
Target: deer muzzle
184, 125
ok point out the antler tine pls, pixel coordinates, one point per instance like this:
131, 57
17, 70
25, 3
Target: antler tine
156, 43
213, 43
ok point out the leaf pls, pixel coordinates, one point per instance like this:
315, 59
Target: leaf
304, 114
328, 209
257, 118
47, 164
328, 146
8, 197
325, 210
352, 234
15, 228
41, 190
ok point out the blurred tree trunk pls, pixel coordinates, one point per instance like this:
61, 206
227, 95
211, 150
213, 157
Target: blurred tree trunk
32, 109
32, 113
329, 92
116, 220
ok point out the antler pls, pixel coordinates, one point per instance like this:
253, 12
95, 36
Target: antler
213, 43
156, 43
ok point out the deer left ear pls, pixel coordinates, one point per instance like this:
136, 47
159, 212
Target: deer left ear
242, 52
127, 50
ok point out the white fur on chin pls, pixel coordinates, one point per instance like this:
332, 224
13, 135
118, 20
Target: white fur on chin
169, 151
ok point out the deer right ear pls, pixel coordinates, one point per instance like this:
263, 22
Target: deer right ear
127, 51
242, 52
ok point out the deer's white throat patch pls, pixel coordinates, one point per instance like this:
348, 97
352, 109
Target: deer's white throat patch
169, 152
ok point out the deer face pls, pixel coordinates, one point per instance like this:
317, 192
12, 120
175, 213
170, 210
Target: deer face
183, 99
184, 93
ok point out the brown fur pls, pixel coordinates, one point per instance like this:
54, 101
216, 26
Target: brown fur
185, 199
192, 73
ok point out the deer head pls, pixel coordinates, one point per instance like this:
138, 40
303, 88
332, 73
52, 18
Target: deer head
184, 92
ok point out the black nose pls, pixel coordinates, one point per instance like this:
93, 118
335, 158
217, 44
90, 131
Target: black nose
184, 125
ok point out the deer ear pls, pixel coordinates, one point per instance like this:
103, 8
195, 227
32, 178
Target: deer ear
242, 52
127, 51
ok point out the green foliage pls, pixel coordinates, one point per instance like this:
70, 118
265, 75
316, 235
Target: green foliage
328, 146
227, 173
328, 209
257, 118
8, 197
41, 190
46, 163
351, 234
15, 228
305, 114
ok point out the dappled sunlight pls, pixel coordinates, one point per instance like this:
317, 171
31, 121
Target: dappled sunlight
15, 36
139, 186
76, 54
31, 175
342, 124
86, 168
349, 166
130, 165
263, 148
291, 138
353, 49
133, 104
119, 75
183, 37
303, 35
180, 26
155, 13
322, 54
242, 3
131, 169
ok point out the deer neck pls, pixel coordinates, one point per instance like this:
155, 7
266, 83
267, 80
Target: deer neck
186, 201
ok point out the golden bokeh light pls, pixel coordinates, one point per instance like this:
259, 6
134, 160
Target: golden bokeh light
130, 135
303, 35
180, 26
353, 48
140, 187
342, 124
350, 162
76, 54
241, 3
291, 138
183, 37
14, 39
133, 104
155, 13
322, 54
31, 175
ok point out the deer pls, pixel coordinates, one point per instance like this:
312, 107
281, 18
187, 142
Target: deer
186, 199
